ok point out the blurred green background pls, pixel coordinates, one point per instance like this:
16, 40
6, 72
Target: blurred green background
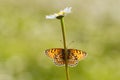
93, 25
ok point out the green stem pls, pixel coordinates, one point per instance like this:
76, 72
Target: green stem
65, 48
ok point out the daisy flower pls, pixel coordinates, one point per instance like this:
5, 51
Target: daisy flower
60, 14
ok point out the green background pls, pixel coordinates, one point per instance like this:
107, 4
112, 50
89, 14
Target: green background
93, 26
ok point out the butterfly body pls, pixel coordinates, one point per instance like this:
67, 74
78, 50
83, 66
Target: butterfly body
58, 56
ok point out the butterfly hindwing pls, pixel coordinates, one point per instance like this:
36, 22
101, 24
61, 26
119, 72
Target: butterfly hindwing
59, 59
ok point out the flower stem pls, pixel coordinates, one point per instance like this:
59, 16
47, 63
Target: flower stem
65, 48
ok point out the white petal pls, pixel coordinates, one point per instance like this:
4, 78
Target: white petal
51, 17
67, 10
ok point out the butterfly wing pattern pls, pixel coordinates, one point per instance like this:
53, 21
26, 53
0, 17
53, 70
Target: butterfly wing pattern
74, 56
58, 56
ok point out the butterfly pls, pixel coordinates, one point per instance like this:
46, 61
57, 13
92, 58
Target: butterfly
58, 56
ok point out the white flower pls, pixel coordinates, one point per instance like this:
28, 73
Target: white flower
60, 14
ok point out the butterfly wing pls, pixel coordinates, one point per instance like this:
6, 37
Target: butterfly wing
74, 56
57, 55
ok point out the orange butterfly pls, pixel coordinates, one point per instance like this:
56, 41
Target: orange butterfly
58, 56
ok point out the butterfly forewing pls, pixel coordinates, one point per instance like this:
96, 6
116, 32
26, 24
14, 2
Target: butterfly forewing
78, 54
52, 52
